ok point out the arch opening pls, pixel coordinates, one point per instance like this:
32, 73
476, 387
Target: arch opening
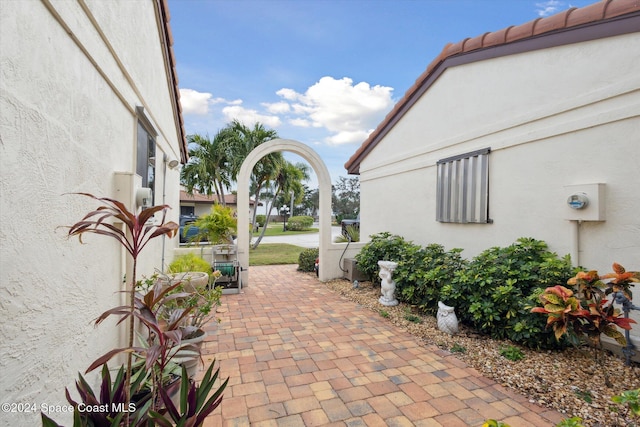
324, 190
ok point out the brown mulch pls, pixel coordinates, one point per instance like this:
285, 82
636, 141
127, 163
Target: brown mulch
570, 381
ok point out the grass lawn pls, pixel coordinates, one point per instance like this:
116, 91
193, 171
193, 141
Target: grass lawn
274, 253
276, 230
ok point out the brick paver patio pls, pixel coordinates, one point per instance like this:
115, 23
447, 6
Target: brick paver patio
298, 354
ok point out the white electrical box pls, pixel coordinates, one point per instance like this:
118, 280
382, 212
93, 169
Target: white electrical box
125, 185
585, 202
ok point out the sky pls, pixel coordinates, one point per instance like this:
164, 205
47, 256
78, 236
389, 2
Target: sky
321, 72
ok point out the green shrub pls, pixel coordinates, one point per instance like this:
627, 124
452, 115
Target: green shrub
493, 294
307, 259
189, 262
260, 220
383, 246
299, 223
422, 274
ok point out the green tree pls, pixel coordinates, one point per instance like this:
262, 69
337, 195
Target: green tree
310, 203
287, 179
345, 197
241, 144
208, 169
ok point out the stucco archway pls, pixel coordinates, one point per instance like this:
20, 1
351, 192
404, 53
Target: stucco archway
324, 183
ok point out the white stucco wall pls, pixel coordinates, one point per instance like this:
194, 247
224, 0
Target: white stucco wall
68, 124
552, 118
556, 117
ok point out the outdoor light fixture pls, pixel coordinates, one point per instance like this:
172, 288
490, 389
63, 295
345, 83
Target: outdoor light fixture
173, 163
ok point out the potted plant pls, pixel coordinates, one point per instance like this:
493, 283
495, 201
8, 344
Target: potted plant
190, 269
200, 304
163, 340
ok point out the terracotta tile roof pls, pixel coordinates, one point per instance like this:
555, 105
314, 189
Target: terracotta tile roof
462, 52
163, 7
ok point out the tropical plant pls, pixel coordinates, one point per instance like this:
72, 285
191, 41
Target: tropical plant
139, 230
207, 171
288, 178
162, 341
587, 313
195, 402
352, 235
200, 305
241, 144
111, 398
216, 227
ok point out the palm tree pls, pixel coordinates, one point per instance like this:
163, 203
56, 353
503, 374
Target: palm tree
288, 179
244, 140
208, 169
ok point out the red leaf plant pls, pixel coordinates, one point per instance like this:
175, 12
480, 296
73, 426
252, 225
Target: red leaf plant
588, 313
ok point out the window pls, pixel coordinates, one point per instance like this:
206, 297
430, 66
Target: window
187, 210
463, 188
146, 158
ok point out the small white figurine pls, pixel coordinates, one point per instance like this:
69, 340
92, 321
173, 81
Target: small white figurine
447, 320
388, 286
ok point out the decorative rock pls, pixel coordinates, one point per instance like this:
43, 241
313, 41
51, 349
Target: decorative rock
447, 320
388, 286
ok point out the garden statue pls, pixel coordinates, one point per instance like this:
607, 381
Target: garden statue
388, 286
447, 320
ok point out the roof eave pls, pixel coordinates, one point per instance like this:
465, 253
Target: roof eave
571, 26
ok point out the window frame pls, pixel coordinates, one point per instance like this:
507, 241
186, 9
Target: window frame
146, 149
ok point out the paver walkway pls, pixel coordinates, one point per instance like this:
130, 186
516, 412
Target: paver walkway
297, 354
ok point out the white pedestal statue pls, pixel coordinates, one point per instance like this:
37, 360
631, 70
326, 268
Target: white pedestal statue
388, 286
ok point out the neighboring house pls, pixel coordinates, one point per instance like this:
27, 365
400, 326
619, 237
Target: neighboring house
197, 204
89, 103
501, 129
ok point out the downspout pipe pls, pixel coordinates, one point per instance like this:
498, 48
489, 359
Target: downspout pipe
164, 197
575, 242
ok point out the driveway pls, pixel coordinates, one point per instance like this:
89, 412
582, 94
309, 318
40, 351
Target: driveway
298, 354
309, 240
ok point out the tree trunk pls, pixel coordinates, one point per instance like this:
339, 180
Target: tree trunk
266, 221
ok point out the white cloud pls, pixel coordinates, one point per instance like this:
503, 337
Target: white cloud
289, 94
194, 102
346, 137
347, 111
249, 117
302, 123
548, 7
277, 108
199, 103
